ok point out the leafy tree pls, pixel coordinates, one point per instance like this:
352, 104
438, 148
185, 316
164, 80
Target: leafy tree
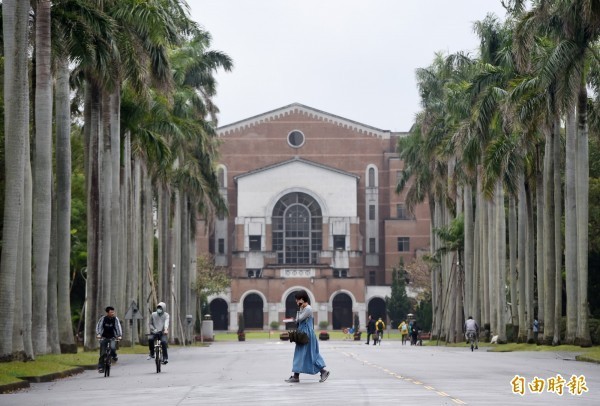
210, 280
424, 313
397, 304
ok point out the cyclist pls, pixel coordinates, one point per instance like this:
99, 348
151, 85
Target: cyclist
380, 326
107, 330
159, 323
471, 327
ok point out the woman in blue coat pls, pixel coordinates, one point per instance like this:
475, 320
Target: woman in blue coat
307, 359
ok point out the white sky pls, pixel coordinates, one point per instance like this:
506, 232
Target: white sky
352, 58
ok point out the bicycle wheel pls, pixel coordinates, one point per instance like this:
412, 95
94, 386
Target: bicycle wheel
157, 358
107, 364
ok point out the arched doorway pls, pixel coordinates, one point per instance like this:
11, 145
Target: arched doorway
219, 314
341, 311
377, 308
291, 308
253, 311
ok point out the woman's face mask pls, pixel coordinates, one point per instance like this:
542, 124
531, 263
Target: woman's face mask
159, 310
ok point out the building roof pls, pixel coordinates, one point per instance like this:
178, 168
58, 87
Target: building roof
308, 111
298, 160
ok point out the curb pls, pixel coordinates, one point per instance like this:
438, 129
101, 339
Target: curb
26, 381
15, 386
53, 376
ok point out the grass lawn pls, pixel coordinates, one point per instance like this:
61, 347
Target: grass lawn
591, 354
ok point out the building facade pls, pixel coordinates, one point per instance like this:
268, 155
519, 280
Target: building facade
312, 205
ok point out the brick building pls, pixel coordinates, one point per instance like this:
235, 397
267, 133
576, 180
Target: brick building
312, 205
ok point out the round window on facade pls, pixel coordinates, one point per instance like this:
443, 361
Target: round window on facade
296, 139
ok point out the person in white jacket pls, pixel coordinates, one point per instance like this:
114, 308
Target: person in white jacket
159, 326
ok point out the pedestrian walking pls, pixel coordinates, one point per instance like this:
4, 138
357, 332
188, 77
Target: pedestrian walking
371, 330
307, 359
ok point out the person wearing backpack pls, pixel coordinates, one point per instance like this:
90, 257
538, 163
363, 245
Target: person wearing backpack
403, 328
379, 326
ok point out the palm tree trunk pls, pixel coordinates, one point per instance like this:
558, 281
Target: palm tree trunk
501, 261
63, 205
25, 262
493, 265
530, 268
485, 264
571, 227
92, 287
475, 310
18, 346
185, 282
163, 232
148, 232
549, 267
512, 248
523, 221
469, 228
105, 159
52, 306
436, 295
583, 178
130, 221
539, 244
556, 151
114, 138
15, 16
42, 176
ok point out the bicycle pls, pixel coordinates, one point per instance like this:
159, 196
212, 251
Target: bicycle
379, 336
158, 350
471, 335
107, 359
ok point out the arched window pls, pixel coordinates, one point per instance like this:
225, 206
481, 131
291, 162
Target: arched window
297, 229
221, 177
371, 177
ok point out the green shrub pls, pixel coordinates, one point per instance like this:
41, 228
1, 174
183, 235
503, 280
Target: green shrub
274, 325
323, 324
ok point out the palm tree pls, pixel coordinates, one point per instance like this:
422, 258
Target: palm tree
42, 176
63, 205
16, 129
574, 26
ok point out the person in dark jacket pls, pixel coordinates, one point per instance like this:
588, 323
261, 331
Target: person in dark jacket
370, 330
414, 334
108, 329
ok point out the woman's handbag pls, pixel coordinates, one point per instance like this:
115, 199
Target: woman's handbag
298, 337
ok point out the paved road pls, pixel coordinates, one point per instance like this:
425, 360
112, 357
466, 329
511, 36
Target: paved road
253, 373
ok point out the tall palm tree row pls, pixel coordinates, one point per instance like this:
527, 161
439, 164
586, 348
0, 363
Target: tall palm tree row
144, 73
496, 123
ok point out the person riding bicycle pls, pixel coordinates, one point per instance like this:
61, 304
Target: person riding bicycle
471, 327
159, 323
107, 330
379, 326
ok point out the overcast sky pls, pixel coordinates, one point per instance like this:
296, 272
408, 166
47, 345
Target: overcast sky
352, 58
